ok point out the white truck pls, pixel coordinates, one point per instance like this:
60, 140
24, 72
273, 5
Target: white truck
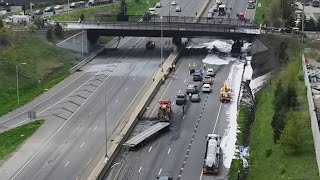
211, 161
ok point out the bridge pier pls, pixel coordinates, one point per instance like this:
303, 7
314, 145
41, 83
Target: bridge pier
177, 44
85, 41
236, 48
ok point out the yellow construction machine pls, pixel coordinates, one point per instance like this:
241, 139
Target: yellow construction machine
225, 93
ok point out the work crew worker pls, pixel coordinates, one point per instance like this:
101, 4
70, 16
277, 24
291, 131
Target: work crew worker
189, 65
194, 65
153, 78
174, 67
183, 109
204, 66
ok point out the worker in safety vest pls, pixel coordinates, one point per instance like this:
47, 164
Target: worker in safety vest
189, 66
174, 67
194, 65
204, 66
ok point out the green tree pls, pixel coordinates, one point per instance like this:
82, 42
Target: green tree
278, 124
39, 23
82, 17
49, 34
58, 31
293, 136
123, 7
318, 25
1, 25
274, 13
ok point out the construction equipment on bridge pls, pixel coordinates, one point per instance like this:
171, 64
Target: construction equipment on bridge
164, 110
145, 135
211, 161
225, 93
150, 45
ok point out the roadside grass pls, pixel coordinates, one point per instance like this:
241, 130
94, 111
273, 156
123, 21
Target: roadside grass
261, 12
12, 139
139, 7
46, 66
88, 13
268, 160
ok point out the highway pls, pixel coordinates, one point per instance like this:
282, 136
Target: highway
179, 153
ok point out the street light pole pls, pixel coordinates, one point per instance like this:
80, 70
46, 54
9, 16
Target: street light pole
105, 116
302, 28
17, 72
68, 10
82, 41
161, 45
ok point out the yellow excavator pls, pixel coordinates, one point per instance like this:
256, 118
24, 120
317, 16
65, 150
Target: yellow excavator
225, 93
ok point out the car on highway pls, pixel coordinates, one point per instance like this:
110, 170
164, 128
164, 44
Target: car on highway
215, 7
181, 99
219, 2
178, 9
195, 98
197, 75
165, 178
207, 80
192, 89
57, 7
210, 72
38, 12
158, 5
210, 15
48, 9
251, 5
206, 88
152, 11
173, 3
211, 10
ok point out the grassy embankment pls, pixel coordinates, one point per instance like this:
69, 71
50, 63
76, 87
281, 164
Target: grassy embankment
46, 66
269, 160
261, 12
12, 139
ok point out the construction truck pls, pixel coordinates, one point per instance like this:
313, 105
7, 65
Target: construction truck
211, 161
225, 93
164, 110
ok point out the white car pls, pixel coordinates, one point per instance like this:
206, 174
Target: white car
57, 7
173, 3
158, 5
178, 9
206, 88
211, 10
210, 72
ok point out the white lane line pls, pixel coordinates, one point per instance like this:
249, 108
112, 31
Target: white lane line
90, 113
101, 100
217, 118
126, 89
169, 150
185, 80
183, 116
42, 101
173, 103
107, 113
140, 169
150, 148
201, 174
77, 128
134, 78
160, 171
95, 128
116, 101
45, 165
179, 91
81, 144
66, 164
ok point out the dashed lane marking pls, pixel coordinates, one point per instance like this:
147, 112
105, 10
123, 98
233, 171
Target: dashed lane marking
66, 164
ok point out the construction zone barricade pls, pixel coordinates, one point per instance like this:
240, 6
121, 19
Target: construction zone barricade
142, 138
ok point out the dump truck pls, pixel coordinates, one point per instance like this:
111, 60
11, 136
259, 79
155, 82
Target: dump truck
164, 110
211, 161
225, 93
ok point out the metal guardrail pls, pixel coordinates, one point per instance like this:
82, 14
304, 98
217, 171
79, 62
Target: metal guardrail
141, 137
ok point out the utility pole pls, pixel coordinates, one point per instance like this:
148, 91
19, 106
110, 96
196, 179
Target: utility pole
17, 73
302, 28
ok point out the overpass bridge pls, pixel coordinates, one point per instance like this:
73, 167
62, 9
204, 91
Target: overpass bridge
167, 26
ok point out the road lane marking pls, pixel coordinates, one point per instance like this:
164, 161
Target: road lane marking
77, 128
183, 116
42, 101
179, 91
160, 171
185, 80
45, 165
134, 78
201, 174
107, 113
217, 118
95, 128
90, 113
173, 103
140, 169
101, 100
169, 150
116, 101
66, 164
150, 148
126, 89
81, 144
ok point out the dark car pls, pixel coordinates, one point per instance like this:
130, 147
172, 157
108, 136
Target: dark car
192, 89
38, 12
49, 9
181, 99
165, 178
195, 98
197, 75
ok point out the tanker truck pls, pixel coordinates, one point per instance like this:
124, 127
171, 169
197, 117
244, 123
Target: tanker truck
211, 161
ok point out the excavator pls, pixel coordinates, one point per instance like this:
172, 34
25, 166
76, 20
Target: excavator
164, 110
225, 93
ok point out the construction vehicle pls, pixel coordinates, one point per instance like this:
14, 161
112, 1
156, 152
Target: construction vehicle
164, 110
211, 161
150, 45
225, 93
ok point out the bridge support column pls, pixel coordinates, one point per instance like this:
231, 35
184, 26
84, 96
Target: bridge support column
85, 41
177, 44
236, 48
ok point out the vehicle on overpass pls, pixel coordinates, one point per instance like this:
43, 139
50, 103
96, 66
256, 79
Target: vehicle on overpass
164, 110
211, 161
98, 2
178, 9
165, 178
152, 11
225, 93
150, 45
222, 10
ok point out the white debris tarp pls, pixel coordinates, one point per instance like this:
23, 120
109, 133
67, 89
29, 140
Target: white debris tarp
211, 153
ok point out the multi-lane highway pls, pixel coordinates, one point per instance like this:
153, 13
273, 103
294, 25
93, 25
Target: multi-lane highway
179, 153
